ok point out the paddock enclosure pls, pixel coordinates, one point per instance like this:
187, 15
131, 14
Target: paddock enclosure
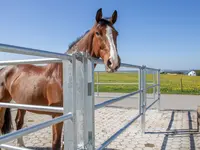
90, 122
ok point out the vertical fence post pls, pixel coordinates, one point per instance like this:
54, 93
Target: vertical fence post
97, 83
69, 100
181, 84
140, 88
80, 101
158, 88
154, 88
143, 98
89, 136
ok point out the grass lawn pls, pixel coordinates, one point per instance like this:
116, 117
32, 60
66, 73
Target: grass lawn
170, 84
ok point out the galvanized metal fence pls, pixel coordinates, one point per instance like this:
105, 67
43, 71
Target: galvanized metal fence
142, 92
78, 93
78, 102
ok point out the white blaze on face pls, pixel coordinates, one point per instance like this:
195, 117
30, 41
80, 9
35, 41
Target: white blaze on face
113, 52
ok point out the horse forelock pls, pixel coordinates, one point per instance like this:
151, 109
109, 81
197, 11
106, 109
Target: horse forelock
105, 21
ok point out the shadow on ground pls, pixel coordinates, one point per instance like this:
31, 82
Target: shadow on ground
111, 149
180, 132
40, 148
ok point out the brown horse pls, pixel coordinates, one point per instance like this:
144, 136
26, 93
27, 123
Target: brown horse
42, 85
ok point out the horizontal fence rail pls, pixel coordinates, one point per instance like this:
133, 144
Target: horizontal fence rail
31, 61
153, 69
32, 52
14, 135
97, 83
103, 104
32, 107
152, 104
10, 147
98, 61
111, 83
116, 83
149, 87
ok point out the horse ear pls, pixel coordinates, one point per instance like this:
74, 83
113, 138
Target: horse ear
114, 17
99, 15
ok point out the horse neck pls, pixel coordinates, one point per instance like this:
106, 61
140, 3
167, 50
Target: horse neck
54, 70
85, 44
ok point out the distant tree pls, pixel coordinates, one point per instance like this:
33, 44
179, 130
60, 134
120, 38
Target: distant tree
179, 72
197, 72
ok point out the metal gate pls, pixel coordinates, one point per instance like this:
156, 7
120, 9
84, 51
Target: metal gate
78, 93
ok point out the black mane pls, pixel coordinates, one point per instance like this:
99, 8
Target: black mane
77, 40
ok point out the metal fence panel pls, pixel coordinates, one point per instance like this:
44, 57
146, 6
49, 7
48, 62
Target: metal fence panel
78, 97
80, 103
69, 128
89, 136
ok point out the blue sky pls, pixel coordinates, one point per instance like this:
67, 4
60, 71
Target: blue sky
160, 34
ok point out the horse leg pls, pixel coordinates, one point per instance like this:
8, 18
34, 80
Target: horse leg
2, 114
19, 120
57, 132
55, 96
63, 146
5, 121
5, 114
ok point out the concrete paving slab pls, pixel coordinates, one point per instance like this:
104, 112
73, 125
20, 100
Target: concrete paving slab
172, 129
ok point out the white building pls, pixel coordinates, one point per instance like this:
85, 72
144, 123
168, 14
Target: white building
192, 73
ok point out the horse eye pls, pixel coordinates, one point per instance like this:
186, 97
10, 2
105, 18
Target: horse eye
97, 33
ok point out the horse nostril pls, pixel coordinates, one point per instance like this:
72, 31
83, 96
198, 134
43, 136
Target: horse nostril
109, 63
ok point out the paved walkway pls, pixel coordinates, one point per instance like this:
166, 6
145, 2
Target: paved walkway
168, 101
164, 130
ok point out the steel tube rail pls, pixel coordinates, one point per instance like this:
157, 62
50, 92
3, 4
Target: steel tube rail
34, 52
111, 83
119, 71
152, 103
14, 135
96, 61
152, 86
10, 147
103, 104
158, 88
99, 61
30, 61
114, 136
153, 69
130, 66
33, 107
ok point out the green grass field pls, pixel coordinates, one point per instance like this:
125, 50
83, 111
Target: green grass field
170, 84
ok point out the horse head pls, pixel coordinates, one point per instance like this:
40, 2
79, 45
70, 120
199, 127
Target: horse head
105, 41
100, 41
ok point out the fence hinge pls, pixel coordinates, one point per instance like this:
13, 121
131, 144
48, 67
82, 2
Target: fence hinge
90, 137
89, 88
